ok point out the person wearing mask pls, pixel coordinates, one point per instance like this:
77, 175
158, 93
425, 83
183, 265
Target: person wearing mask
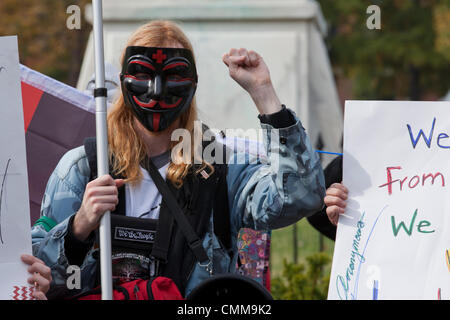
158, 84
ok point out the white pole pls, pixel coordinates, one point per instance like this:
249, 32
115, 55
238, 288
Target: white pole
102, 147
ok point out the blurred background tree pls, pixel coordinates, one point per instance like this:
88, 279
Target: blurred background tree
409, 58
303, 281
45, 42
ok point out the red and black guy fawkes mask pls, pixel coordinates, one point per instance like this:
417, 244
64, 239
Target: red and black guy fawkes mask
158, 84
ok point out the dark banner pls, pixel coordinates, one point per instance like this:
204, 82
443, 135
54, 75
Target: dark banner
57, 118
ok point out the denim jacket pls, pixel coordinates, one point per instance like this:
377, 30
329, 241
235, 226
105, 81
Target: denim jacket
263, 195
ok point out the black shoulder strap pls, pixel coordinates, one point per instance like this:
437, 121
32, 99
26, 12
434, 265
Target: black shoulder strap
221, 218
222, 224
90, 147
192, 238
161, 246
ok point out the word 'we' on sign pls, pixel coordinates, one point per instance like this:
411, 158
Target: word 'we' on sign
397, 221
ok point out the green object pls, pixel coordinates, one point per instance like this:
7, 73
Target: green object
46, 222
303, 281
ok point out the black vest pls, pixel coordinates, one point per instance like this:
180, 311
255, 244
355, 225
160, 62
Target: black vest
198, 198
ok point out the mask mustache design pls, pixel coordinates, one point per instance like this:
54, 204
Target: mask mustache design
145, 90
158, 84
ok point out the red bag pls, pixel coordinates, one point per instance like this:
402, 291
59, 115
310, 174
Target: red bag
159, 288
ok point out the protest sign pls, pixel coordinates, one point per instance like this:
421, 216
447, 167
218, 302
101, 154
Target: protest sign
393, 240
15, 236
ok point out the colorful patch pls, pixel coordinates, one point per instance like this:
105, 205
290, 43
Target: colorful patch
254, 254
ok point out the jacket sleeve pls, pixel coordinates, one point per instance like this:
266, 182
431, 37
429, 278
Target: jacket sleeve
277, 190
50, 235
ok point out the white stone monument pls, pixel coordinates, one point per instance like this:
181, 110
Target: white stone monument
287, 33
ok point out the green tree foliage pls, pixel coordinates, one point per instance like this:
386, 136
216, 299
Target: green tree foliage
303, 281
409, 58
45, 42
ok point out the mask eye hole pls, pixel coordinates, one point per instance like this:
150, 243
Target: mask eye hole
142, 76
137, 67
177, 74
176, 70
174, 77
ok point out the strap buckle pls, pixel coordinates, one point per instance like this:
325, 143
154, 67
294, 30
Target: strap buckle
207, 266
154, 267
202, 257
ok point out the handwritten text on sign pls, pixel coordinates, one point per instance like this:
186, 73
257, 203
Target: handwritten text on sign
393, 239
15, 235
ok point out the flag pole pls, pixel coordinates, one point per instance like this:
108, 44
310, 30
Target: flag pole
100, 94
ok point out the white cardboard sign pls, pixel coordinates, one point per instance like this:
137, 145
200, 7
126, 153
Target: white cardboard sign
393, 241
15, 235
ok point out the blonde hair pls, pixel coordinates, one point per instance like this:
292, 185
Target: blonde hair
126, 148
